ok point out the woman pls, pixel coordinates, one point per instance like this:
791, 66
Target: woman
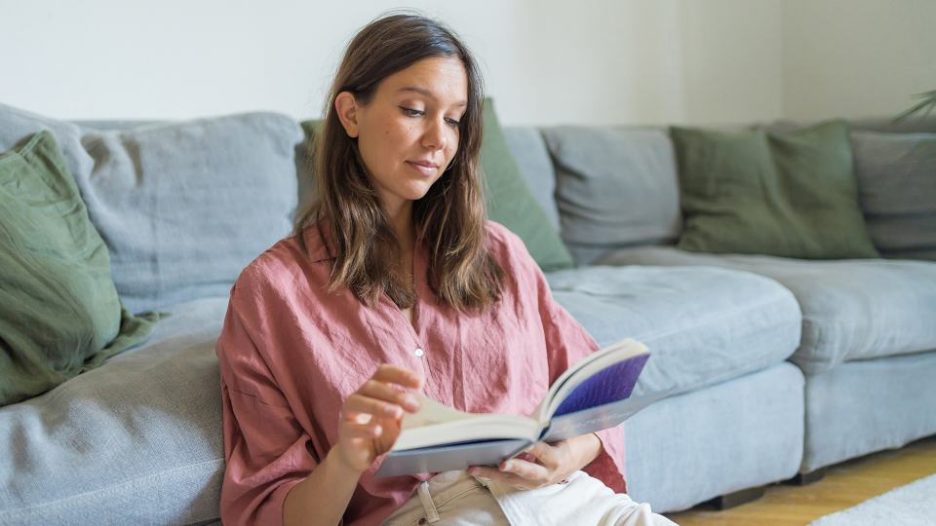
392, 286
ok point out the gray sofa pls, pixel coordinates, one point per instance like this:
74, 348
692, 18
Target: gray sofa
775, 367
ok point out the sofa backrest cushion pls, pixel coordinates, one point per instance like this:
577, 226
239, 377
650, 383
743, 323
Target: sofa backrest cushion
616, 186
184, 206
529, 151
897, 188
59, 311
16, 125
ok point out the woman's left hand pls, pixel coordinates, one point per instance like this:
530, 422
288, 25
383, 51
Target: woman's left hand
543, 464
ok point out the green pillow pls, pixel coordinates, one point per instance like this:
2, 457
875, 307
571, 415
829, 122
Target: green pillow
59, 311
792, 194
509, 200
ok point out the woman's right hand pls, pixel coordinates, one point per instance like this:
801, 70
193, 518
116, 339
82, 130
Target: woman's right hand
370, 418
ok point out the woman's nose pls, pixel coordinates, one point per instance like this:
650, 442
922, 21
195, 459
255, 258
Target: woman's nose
434, 135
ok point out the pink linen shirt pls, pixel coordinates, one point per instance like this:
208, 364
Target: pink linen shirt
290, 353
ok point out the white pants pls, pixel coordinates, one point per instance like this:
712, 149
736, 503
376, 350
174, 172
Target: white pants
455, 498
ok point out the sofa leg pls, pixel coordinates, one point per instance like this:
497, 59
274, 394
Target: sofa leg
737, 498
803, 479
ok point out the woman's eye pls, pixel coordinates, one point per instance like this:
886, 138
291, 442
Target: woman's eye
453, 123
411, 112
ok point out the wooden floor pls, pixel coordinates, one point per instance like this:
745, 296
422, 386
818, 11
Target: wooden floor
843, 486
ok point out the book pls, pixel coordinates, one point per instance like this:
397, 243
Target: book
591, 395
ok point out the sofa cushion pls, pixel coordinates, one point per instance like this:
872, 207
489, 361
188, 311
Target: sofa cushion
852, 310
702, 325
785, 194
709, 442
184, 206
897, 187
510, 202
529, 151
59, 310
17, 125
135, 441
615, 186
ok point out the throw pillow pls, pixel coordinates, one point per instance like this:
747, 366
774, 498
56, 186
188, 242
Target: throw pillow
59, 310
783, 194
616, 186
509, 200
897, 187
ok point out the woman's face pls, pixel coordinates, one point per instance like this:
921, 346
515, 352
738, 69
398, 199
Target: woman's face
408, 133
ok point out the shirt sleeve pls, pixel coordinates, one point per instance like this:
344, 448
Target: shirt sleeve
265, 449
566, 343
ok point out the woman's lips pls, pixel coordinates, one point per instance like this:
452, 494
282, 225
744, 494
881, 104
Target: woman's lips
426, 169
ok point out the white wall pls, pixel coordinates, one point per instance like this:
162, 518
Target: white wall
544, 61
856, 58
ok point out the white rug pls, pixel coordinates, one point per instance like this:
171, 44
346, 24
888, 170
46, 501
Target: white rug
910, 505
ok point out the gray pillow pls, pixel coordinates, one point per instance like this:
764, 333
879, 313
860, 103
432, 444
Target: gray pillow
615, 186
528, 149
896, 175
184, 206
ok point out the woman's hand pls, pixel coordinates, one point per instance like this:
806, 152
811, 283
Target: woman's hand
543, 464
370, 418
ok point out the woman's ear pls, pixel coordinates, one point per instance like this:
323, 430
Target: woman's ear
346, 108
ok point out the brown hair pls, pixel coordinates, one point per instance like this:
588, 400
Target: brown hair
449, 218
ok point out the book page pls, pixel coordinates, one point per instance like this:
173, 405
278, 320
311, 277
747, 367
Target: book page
431, 412
436, 424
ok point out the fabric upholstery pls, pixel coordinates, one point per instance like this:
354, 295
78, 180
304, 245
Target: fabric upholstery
17, 125
869, 405
59, 310
702, 325
510, 202
852, 310
615, 186
184, 206
785, 194
135, 441
529, 151
897, 187
717, 440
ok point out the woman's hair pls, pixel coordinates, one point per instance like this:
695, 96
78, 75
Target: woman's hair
449, 218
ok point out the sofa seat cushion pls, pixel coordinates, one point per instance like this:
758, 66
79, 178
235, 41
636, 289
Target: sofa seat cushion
702, 325
852, 310
135, 441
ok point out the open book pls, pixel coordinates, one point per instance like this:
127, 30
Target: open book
592, 395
